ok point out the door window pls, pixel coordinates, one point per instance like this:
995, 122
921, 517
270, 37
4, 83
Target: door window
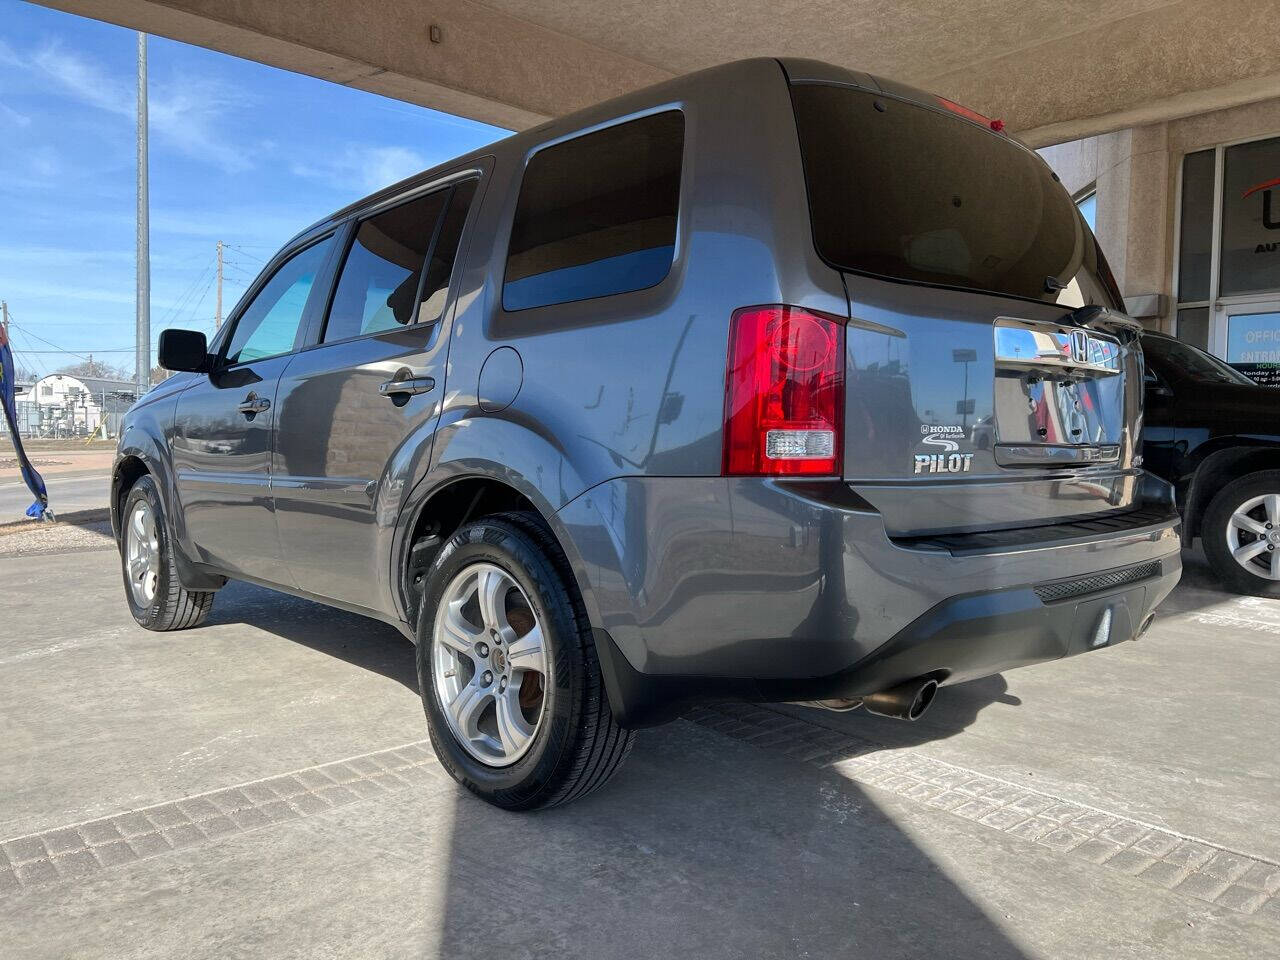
269, 326
378, 288
1253, 346
597, 214
435, 287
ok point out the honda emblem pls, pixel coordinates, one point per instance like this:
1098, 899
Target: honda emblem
1079, 346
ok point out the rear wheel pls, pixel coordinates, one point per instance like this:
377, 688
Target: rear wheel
512, 689
156, 597
1241, 533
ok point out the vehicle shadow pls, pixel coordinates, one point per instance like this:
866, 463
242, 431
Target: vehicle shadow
350, 637
702, 846
1199, 587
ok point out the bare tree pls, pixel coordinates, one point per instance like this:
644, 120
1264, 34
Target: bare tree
95, 369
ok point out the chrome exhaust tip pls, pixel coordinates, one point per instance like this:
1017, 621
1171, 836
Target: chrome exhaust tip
906, 701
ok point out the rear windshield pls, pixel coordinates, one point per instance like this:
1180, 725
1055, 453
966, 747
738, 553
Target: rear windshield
910, 193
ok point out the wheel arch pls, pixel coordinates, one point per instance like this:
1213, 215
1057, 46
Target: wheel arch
1218, 469
137, 457
442, 507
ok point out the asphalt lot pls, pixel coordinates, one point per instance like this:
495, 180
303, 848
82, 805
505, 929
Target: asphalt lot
260, 787
66, 494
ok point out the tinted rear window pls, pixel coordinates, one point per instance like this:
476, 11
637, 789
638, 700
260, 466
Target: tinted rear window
909, 193
597, 214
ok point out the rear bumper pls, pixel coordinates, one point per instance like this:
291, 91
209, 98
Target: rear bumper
748, 589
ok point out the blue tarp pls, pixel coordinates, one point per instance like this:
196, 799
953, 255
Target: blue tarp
8, 386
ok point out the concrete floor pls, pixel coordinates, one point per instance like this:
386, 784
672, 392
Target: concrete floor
743, 832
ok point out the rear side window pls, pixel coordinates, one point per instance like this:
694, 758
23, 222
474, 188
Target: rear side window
378, 288
597, 214
909, 193
268, 326
435, 286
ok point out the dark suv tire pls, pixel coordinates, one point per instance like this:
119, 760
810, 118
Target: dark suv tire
1241, 534
507, 668
156, 597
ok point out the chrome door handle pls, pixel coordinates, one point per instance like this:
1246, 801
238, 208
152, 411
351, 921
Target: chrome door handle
409, 386
252, 405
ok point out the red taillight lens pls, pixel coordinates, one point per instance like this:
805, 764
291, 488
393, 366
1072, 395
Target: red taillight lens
784, 393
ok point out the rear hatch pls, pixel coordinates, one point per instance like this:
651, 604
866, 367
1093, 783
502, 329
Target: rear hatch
990, 381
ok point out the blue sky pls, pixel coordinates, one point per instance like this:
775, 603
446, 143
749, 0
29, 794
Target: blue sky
240, 152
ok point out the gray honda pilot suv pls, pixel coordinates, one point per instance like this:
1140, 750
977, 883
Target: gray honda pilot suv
776, 382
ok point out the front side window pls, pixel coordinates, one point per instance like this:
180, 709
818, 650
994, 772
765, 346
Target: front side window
268, 326
378, 287
904, 192
597, 214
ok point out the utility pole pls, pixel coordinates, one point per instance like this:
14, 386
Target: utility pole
4, 315
142, 351
217, 315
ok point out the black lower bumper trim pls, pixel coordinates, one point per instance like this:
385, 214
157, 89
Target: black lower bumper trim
960, 639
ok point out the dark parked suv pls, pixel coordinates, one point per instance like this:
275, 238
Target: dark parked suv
671, 400
1215, 435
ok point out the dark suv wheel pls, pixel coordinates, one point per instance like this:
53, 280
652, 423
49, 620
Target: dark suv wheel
512, 689
1241, 533
156, 597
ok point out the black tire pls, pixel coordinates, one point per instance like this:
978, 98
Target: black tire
1213, 533
578, 745
173, 607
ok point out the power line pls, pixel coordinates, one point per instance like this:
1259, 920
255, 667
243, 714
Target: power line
14, 323
185, 297
71, 353
200, 302
251, 256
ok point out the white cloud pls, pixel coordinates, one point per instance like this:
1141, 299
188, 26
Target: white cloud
363, 169
10, 115
8, 56
183, 112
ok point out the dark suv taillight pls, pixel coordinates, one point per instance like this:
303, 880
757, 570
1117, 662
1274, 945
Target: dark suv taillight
784, 393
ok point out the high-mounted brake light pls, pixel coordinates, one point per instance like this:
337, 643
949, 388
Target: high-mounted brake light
961, 110
784, 393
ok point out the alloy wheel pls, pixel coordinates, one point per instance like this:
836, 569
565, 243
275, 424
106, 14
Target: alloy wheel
489, 664
142, 553
1253, 535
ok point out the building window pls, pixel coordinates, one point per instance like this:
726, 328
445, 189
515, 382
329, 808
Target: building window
1228, 263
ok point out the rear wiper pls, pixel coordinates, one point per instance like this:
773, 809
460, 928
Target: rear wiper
1093, 315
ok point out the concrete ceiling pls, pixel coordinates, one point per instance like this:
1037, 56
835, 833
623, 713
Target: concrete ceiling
1053, 69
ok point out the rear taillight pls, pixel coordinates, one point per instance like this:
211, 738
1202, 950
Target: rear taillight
784, 393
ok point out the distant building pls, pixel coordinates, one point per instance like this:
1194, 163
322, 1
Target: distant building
60, 405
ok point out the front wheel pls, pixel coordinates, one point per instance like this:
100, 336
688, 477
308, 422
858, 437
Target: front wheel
157, 599
1241, 533
507, 668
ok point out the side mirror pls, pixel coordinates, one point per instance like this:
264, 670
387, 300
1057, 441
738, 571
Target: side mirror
183, 350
